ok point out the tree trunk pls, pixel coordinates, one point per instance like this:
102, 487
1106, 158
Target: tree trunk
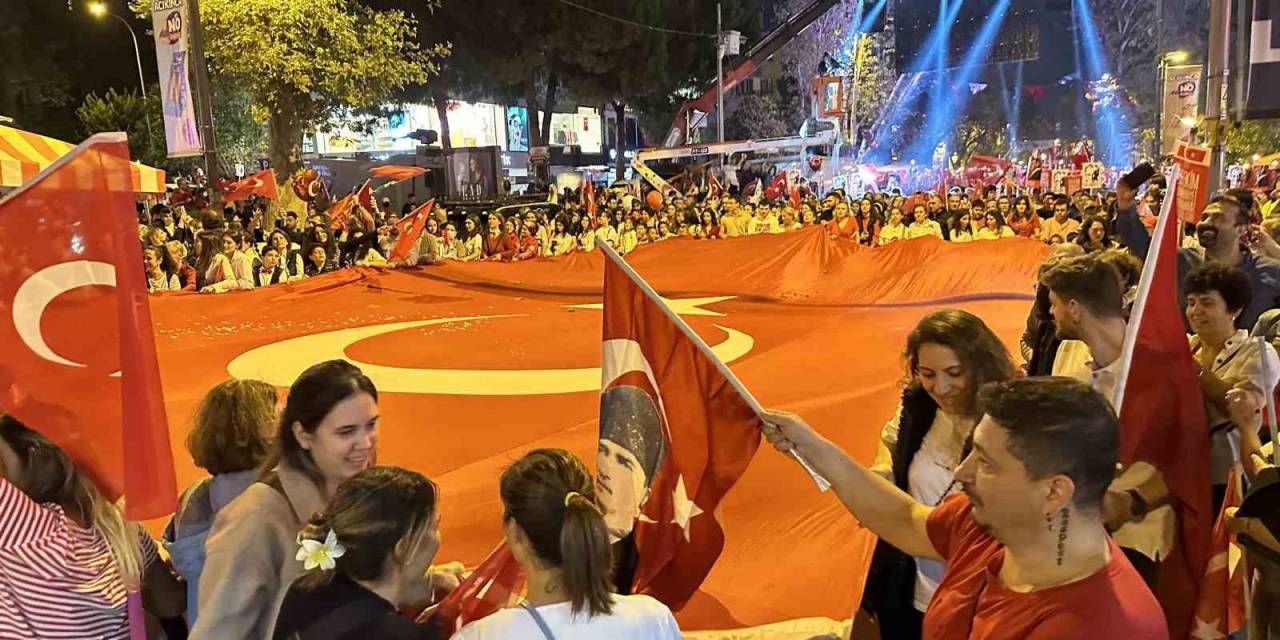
550, 106
536, 138
442, 111
620, 163
285, 134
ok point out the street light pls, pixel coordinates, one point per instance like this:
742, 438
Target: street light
98, 10
1176, 57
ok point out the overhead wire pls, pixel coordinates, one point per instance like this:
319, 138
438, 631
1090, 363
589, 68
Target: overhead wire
633, 23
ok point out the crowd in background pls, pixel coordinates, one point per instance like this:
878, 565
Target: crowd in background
296, 528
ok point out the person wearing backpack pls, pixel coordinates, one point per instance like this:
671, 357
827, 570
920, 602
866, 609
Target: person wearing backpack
230, 439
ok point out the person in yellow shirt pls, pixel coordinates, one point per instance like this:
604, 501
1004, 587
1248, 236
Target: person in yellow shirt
995, 227
1060, 224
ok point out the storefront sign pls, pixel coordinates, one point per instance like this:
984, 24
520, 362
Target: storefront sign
1181, 107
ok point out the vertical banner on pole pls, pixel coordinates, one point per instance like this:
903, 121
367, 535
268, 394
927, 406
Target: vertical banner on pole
169, 19
1181, 108
1191, 192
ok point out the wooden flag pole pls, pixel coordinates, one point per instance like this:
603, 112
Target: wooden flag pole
1270, 396
689, 333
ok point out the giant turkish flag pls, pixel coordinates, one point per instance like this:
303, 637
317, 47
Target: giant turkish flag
477, 363
79, 362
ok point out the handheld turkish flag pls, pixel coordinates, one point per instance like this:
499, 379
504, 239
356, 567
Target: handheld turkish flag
410, 229
713, 187
671, 422
494, 585
777, 188
364, 205
340, 212
397, 173
65, 293
589, 195
1162, 419
262, 183
1220, 606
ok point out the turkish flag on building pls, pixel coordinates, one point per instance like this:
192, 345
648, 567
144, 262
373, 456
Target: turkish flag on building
494, 585
262, 183
1163, 422
79, 363
1220, 607
675, 436
396, 172
410, 229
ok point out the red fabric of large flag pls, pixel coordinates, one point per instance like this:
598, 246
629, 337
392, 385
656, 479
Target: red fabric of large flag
674, 438
262, 183
410, 229
79, 361
494, 585
1220, 606
1163, 421
396, 172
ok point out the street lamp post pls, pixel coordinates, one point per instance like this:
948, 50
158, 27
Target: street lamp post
99, 9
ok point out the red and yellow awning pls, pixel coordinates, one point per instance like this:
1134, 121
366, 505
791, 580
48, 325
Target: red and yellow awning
24, 154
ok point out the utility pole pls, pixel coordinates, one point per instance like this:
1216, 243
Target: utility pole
1219, 23
204, 101
1160, 79
719, 77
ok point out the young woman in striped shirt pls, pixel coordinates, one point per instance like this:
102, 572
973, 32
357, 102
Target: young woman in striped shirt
68, 559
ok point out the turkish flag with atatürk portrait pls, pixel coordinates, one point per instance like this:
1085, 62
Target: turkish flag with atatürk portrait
675, 436
79, 363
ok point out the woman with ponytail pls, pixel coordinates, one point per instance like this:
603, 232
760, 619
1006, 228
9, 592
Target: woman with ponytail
554, 526
366, 555
68, 558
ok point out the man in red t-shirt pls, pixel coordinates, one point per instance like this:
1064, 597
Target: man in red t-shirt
1027, 555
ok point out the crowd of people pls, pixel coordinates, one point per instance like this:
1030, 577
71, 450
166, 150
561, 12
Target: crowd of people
242, 249
1002, 503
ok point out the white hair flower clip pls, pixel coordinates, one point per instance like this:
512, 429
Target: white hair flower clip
314, 554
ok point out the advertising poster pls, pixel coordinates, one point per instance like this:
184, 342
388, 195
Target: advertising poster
1181, 105
169, 21
517, 129
473, 173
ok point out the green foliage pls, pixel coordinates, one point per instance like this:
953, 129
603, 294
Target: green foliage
128, 112
1252, 137
756, 117
242, 136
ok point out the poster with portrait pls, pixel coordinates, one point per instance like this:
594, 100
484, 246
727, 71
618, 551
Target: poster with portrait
169, 22
517, 129
473, 173
831, 95
1092, 176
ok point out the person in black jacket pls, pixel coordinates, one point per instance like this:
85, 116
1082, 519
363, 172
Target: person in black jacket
267, 269
366, 555
950, 354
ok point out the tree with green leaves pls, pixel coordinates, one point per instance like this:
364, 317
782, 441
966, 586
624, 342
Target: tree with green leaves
307, 61
1251, 137
129, 112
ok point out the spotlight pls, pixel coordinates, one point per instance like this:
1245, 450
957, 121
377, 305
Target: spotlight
1176, 57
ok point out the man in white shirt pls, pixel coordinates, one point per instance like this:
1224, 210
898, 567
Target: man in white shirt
1087, 303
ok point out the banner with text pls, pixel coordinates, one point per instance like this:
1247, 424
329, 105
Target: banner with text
169, 21
1193, 184
1181, 106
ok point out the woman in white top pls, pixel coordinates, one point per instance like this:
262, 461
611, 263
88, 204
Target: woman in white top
960, 228
470, 240
554, 526
995, 227
922, 226
161, 275
290, 256
220, 266
950, 354
894, 229
562, 242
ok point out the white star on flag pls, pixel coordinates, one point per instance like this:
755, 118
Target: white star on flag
1207, 630
684, 508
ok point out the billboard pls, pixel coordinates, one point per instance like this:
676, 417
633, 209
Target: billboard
473, 173
170, 24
